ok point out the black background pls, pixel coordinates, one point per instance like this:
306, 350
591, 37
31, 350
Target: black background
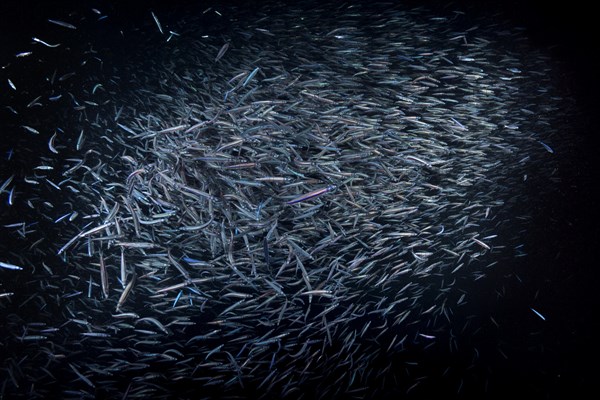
565, 263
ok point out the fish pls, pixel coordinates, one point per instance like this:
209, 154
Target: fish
157, 23
311, 195
222, 51
10, 266
538, 314
51, 144
62, 23
125, 294
45, 43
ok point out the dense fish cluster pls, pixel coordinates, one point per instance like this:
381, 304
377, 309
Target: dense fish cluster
281, 202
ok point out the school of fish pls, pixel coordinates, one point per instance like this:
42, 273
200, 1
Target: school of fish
280, 202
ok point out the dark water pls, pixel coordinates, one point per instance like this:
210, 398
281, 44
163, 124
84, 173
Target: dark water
503, 151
